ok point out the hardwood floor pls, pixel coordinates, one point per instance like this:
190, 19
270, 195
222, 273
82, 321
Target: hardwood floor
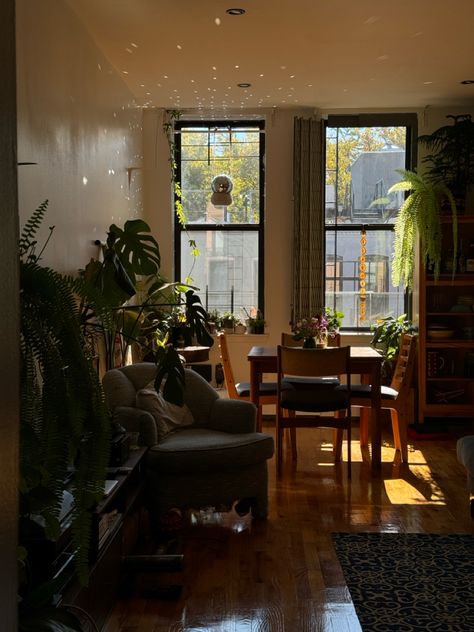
282, 575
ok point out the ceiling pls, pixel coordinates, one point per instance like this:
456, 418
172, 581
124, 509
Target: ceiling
331, 54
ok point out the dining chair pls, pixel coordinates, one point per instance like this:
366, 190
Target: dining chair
309, 404
399, 397
241, 390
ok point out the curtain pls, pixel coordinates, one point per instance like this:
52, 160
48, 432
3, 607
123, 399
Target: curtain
308, 259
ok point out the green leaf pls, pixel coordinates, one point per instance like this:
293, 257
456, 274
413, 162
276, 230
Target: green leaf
171, 371
138, 251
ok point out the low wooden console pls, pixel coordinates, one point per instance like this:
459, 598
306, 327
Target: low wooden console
115, 532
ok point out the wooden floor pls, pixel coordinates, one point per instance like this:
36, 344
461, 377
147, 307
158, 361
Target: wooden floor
282, 574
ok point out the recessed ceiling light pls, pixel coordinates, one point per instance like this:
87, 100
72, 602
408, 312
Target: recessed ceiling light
244, 85
235, 11
467, 82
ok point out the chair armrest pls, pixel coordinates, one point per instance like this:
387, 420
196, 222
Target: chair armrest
137, 420
231, 415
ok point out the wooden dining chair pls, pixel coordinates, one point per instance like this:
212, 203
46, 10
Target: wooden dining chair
309, 404
398, 397
241, 390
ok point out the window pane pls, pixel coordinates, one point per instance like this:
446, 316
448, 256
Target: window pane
343, 276
227, 267
206, 154
361, 165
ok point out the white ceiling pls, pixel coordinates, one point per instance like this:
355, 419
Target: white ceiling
325, 54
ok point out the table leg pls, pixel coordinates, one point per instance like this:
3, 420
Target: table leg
375, 420
255, 379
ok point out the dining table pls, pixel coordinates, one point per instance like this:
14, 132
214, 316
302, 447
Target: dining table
364, 361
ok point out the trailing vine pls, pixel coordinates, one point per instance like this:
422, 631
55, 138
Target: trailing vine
168, 129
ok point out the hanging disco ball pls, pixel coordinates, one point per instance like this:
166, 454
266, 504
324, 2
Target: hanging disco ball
221, 187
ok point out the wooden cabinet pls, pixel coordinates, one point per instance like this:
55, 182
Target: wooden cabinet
446, 342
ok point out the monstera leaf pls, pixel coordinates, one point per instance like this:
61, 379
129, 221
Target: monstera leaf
196, 317
137, 249
171, 370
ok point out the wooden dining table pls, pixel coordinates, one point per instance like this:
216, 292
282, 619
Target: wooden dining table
364, 361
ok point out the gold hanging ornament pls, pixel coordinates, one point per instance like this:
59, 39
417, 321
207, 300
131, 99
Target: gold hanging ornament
362, 276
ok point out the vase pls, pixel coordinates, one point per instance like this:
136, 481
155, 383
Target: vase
309, 343
322, 340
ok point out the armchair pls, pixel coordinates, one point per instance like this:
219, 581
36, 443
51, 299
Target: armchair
215, 461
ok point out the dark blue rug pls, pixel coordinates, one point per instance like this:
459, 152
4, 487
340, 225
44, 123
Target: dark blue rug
407, 582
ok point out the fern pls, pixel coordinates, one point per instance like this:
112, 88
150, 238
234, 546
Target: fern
419, 217
27, 242
63, 416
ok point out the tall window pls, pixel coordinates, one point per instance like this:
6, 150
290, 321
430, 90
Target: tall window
229, 269
362, 156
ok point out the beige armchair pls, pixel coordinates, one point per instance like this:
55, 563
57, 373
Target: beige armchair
214, 461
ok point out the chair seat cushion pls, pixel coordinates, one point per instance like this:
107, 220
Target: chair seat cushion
365, 390
266, 388
314, 399
202, 450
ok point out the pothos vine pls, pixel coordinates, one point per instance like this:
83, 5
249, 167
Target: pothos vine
171, 116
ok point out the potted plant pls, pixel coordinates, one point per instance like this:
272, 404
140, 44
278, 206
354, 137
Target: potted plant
313, 331
228, 322
239, 327
451, 160
214, 320
420, 218
386, 338
161, 317
334, 318
256, 323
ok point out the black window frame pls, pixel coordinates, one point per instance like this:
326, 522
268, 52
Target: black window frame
396, 119
190, 227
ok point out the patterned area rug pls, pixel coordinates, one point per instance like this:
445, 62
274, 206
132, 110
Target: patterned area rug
409, 582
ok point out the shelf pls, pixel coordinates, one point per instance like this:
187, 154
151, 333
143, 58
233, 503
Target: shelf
450, 344
443, 363
448, 280
450, 314
449, 378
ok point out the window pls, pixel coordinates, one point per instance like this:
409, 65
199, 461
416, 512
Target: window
362, 156
229, 269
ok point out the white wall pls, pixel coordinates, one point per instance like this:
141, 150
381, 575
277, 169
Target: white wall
76, 119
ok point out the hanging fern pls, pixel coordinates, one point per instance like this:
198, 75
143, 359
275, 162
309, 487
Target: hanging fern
419, 218
64, 424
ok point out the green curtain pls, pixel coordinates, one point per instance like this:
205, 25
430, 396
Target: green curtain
308, 259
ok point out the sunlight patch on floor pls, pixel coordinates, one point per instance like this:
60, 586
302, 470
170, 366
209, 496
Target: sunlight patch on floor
401, 492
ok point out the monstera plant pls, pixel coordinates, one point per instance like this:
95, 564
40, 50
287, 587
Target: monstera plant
125, 301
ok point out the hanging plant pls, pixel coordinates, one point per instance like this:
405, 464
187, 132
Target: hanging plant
420, 218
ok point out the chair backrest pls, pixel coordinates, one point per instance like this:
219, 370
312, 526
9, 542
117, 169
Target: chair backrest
227, 366
405, 365
287, 340
313, 362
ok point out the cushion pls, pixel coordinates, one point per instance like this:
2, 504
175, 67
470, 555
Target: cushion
315, 399
265, 388
168, 417
202, 450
